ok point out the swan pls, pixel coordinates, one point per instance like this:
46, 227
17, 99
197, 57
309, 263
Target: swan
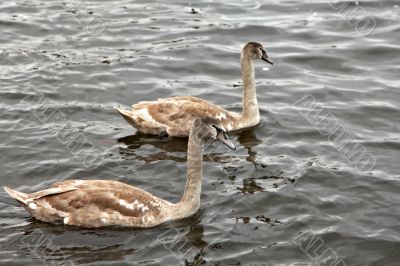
173, 116
98, 203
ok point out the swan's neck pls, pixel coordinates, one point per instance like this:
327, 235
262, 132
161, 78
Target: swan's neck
250, 113
190, 201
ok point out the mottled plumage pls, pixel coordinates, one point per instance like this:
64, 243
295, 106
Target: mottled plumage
174, 116
97, 203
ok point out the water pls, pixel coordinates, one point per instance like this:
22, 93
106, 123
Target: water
291, 186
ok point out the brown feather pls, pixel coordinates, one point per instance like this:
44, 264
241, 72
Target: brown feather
174, 116
94, 203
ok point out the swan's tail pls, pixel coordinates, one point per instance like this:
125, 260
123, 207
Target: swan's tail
20, 196
123, 112
28, 198
127, 115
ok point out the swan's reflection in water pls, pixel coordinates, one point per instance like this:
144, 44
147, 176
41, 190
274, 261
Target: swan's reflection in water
261, 177
59, 245
181, 242
176, 148
249, 140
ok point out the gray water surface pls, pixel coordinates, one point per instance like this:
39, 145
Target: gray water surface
318, 176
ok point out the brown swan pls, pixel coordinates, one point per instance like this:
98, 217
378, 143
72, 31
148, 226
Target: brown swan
97, 203
173, 116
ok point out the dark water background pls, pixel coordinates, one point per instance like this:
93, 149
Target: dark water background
286, 191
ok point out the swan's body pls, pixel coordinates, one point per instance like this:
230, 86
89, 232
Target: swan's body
97, 203
174, 116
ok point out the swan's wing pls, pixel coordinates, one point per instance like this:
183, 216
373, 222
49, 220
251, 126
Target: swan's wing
36, 204
174, 116
190, 99
95, 203
79, 183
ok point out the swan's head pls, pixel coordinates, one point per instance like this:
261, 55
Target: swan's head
209, 129
255, 50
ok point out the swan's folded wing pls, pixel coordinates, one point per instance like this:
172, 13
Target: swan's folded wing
96, 207
177, 114
190, 99
173, 116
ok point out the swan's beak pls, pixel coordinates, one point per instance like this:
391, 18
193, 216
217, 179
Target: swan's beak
266, 59
221, 136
